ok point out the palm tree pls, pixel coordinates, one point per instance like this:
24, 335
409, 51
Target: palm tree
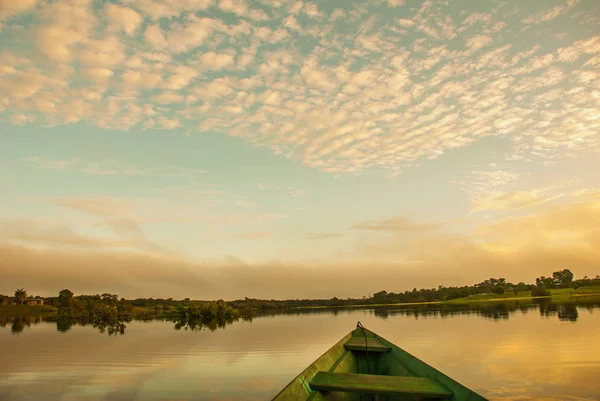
21, 295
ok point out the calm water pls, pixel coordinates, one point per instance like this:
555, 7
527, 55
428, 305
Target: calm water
520, 355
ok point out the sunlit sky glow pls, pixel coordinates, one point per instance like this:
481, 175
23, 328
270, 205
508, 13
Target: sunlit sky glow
231, 148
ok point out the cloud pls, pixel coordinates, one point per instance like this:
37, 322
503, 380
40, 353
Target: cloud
21, 119
244, 203
9, 8
546, 235
125, 217
482, 182
185, 37
350, 103
99, 74
395, 3
518, 248
503, 201
214, 61
156, 9
511, 201
55, 43
126, 18
397, 224
479, 41
561, 225
155, 37
168, 123
166, 98
253, 235
107, 52
156, 276
32, 232
235, 6
181, 77
550, 14
324, 235
78, 270
240, 219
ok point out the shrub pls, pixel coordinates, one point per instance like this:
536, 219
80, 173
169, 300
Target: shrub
539, 291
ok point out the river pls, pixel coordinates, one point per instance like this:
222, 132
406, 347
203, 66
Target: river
529, 352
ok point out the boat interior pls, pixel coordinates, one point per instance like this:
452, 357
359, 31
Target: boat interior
366, 367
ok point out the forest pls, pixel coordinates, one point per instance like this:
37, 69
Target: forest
82, 305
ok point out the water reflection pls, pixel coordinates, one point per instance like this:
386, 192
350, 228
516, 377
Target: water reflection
111, 326
195, 320
116, 327
565, 311
495, 311
18, 323
196, 316
529, 355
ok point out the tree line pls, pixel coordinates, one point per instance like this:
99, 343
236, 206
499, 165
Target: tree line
20, 298
109, 313
108, 303
559, 279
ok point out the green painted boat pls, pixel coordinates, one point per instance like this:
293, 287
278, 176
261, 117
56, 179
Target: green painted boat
363, 366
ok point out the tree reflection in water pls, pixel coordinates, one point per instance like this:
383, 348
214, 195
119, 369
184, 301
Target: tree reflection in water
197, 316
211, 316
489, 310
112, 326
565, 311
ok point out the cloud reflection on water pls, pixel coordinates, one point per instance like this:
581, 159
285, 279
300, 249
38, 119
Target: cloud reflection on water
525, 357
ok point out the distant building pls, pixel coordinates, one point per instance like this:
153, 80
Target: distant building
35, 301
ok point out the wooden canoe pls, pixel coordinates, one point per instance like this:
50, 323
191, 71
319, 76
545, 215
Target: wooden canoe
363, 366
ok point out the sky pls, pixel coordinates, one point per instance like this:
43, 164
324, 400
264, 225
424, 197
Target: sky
295, 149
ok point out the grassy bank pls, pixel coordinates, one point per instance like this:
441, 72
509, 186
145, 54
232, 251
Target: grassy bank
566, 294
47, 310
557, 295
26, 310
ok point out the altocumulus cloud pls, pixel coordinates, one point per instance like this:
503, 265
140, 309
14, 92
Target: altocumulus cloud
379, 86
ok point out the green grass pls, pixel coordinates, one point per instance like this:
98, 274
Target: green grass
46, 310
592, 289
26, 310
482, 297
365, 305
491, 298
559, 294
563, 294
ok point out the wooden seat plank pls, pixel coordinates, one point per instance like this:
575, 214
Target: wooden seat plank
373, 345
377, 384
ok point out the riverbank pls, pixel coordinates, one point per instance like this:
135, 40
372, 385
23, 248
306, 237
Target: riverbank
27, 310
556, 295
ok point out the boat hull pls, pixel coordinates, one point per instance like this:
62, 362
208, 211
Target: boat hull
348, 358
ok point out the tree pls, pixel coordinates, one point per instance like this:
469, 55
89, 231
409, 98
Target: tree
539, 291
522, 287
65, 298
109, 298
546, 282
562, 278
21, 296
498, 289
